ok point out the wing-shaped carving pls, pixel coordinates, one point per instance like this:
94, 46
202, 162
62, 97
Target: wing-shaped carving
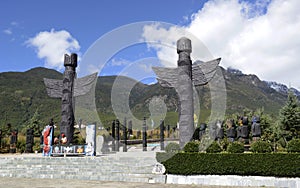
83, 85
167, 77
203, 72
54, 87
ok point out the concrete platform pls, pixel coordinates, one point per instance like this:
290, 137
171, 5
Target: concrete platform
60, 183
109, 176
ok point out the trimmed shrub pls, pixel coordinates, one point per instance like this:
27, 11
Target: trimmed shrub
191, 147
293, 146
282, 142
280, 149
224, 143
235, 147
245, 164
261, 146
214, 148
172, 147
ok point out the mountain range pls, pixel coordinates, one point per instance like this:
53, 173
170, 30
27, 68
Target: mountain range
24, 93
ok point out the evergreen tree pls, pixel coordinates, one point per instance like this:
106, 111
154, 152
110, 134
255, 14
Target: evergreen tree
290, 115
35, 123
266, 121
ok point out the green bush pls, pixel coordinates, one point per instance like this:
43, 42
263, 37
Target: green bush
214, 148
244, 164
133, 137
279, 148
78, 139
282, 142
293, 145
21, 146
261, 146
4, 145
224, 143
191, 147
235, 147
36, 146
4, 142
172, 147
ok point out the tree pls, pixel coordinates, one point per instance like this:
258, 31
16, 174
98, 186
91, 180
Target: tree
35, 123
266, 121
290, 116
276, 135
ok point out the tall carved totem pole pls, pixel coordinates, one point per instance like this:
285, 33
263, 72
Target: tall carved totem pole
67, 89
182, 79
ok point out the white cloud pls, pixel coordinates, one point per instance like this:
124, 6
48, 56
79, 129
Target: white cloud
119, 62
259, 38
7, 31
92, 69
52, 45
163, 40
147, 68
14, 23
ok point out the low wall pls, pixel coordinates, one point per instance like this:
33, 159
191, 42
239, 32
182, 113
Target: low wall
232, 180
140, 141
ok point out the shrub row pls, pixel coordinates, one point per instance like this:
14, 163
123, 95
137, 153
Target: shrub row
293, 145
259, 146
235, 147
246, 164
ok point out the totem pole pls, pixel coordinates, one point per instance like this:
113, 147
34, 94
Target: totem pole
113, 134
182, 79
67, 89
144, 135
29, 141
125, 135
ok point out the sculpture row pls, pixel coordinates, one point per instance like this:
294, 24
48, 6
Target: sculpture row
234, 131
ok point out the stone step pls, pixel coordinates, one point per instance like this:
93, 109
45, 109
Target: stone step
57, 164
123, 161
77, 171
119, 177
60, 166
96, 170
83, 166
115, 167
100, 163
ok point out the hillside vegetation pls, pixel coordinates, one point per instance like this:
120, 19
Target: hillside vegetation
24, 93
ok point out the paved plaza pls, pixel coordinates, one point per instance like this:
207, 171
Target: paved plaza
31, 182
61, 183
9, 182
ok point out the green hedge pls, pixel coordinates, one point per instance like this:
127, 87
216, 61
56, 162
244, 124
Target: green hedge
259, 164
261, 147
214, 148
293, 146
236, 147
191, 147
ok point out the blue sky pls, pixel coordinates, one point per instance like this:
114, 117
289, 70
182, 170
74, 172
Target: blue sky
256, 36
84, 20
